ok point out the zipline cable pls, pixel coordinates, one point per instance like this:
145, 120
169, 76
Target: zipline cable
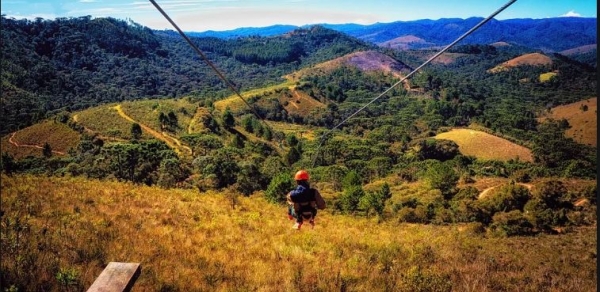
209, 63
408, 75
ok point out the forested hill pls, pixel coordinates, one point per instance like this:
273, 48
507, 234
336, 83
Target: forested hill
74, 63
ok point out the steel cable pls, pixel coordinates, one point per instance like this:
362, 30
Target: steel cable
322, 139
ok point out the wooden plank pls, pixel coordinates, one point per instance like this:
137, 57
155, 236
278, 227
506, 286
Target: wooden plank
116, 277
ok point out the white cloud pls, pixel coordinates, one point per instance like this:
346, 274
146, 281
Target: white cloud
87, 1
571, 13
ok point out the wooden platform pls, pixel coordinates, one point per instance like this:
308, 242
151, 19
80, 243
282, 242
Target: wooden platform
116, 277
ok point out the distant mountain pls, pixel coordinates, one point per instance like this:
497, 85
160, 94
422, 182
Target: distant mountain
247, 31
549, 34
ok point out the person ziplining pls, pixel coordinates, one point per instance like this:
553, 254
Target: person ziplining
303, 201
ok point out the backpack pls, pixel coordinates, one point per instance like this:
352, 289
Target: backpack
305, 204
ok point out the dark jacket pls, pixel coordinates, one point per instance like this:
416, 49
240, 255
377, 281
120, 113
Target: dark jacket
304, 195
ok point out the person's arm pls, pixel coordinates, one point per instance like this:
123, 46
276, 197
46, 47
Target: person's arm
319, 200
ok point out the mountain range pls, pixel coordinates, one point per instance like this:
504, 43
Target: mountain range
548, 34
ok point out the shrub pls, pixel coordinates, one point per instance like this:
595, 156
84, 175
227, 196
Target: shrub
416, 280
351, 198
508, 197
538, 213
441, 176
553, 193
511, 223
278, 188
407, 215
467, 193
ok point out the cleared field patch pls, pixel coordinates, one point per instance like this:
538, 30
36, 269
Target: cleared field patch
485, 146
545, 77
301, 131
299, 103
582, 116
147, 112
106, 121
534, 59
234, 102
29, 141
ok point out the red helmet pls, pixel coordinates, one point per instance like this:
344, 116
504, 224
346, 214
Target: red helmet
301, 175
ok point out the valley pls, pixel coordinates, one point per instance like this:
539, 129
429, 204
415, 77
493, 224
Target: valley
477, 174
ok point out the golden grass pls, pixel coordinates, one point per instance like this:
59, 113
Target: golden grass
190, 241
195, 125
584, 124
106, 121
534, 59
18, 152
545, 77
59, 136
147, 112
235, 103
485, 146
301, 131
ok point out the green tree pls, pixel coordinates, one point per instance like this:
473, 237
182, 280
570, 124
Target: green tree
228, 119
8, 163
441, 176
350, 199
267, 134
47, 150
292, 156
351, 179
136, 131
279, 187
170, 172
237, 141
249, 178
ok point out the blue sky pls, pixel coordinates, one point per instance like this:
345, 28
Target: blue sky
202, 15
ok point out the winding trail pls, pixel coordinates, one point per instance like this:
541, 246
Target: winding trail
11, 140
171, 141
107, 138
483, 193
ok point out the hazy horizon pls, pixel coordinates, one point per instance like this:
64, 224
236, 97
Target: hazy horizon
223, 15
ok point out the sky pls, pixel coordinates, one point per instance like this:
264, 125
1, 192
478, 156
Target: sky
219, 15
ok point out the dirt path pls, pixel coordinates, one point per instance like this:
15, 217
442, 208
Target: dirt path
11, 140
92, 132
171, 141
483, 193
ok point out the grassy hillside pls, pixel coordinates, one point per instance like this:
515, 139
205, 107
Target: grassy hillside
29, 141
147, 112
485, 146
190, 241
533, 59
106, 121
582, 117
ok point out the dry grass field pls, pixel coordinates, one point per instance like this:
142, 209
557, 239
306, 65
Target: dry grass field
106, 121
147, 112
534, 59
236, 104
584, 123
59, 234
485, 146
29, 141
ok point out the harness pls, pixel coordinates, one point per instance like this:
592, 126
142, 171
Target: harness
305, 204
